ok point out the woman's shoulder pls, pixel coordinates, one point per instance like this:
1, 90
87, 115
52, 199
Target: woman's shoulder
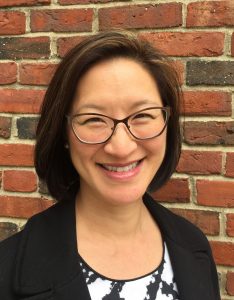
8, 247
8, 250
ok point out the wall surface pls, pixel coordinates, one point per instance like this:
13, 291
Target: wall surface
199, 37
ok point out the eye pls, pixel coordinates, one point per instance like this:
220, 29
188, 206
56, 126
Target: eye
89, 120
93, 120
143, 115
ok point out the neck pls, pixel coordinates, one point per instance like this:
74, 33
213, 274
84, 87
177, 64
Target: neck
110, 220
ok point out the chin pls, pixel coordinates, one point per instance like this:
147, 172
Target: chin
126, 195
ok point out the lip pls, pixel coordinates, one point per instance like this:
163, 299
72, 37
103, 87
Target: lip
125, 175
121, 164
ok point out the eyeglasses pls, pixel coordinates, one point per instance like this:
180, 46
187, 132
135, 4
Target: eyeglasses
93, 128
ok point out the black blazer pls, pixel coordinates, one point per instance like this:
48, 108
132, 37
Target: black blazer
41, 262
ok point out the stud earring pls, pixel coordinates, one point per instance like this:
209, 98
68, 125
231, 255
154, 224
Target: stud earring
66, 146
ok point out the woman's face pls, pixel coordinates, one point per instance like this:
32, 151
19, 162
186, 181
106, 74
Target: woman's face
111, 172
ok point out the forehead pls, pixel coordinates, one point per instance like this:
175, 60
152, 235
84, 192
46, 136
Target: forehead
119, 83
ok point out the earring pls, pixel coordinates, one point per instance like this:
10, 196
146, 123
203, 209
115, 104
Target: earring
66, 146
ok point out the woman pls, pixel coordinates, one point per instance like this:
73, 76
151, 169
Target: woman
108, 133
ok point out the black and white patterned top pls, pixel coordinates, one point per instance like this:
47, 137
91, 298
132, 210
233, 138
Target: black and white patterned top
158, 285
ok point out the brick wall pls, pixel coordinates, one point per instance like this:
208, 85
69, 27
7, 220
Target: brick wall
198, 35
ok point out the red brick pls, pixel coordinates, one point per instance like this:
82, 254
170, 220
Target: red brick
62, 20
200, 162
24, 47
207, 221
141, 16
12, 22
21, 101
67, 43
175, 190
223, 253
230, 165
188, 43
8, 73
0, 179
67, 2
207, 103
16, 155
209, 133
215, 193
232, 45
36, 74
180, 69
19, 181
230, 283
22, 207
8, 3
210, 13
5, 127
230, 224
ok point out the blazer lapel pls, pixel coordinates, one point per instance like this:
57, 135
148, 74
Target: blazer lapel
47, 266
190, 261
191, 270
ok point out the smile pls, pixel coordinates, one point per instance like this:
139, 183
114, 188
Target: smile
125, 168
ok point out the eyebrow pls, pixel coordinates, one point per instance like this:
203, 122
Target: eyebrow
135, 104
91, 105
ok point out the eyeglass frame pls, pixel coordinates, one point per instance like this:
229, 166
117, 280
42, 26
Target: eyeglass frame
167, 109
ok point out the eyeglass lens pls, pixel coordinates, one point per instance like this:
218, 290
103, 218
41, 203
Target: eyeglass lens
94, 128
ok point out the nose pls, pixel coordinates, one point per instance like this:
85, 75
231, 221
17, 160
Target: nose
122, 143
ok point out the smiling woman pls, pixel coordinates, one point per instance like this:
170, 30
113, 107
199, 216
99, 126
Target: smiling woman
108, 135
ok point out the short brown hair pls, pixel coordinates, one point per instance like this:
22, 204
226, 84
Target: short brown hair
52, 160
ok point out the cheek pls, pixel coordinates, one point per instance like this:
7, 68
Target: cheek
157, 146
82, 155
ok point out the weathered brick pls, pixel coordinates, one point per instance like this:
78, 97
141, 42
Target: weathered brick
36, 74
175, 190
5, 127
215, 193
22, 207
200, 162
62, 20
232, 45
9, 3
223, 253
209, 133
65, 44
24, 47
210, 72
68, 2
187, 43
8, 73
21, 101
27, 127
7, 229
19, 181
16, 155
207, 221
230, 283
210, 13
141, 16
12, 22
230, 164
207, 103
230, 224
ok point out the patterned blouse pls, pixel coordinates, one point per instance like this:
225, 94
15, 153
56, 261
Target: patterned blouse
158, 285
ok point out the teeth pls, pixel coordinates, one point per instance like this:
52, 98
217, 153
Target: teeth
121, 169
